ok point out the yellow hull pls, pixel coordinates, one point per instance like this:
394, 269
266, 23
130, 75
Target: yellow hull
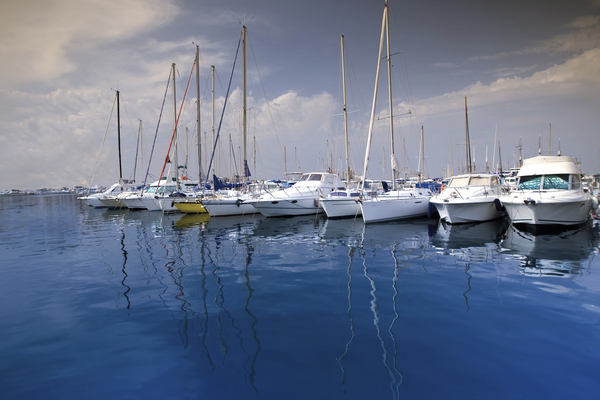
191, 207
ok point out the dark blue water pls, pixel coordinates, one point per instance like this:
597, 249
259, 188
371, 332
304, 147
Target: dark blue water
101, 304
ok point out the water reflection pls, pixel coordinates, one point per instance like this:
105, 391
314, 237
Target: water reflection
469, 235
562, 254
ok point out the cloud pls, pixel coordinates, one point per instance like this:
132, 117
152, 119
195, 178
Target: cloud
38, 35
583, 34
579, 75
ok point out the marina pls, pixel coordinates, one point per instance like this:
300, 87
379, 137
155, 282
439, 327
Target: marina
103, 303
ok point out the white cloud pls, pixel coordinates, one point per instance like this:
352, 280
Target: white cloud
38, 35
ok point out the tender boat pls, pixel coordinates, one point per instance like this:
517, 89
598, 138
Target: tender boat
300, 199
470, 198
549, 193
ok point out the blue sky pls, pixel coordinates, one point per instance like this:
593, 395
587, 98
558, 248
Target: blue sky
523, 65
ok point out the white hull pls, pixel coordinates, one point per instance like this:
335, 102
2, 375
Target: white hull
226, 206
134, 202
392, 207
467, 211
341, 207
93, 201
300, 199
470, 198
167, 204
287, 208
113, 202
572, 210
150, 202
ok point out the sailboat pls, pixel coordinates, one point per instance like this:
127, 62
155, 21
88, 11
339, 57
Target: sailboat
111, 198
225, 202
399, 203
162, 193
342, 203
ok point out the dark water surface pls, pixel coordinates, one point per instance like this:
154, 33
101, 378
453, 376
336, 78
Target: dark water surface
101, 304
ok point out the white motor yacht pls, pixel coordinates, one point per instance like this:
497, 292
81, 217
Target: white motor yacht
300, 199
549, 193
470, 198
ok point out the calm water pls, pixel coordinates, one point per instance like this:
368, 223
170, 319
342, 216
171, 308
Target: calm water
101, 304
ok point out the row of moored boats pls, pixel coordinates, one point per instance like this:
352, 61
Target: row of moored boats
549, 191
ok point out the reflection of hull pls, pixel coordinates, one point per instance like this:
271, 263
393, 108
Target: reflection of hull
573, 245
190, 207
288, 226
406, 205
188, 220
337, 207
467, 211
469, 235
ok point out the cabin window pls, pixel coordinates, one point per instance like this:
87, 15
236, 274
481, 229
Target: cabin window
303, 178
314, 177
494, 181
338, 194
575, 181
458, 182
530, 182
479, 181
556, 182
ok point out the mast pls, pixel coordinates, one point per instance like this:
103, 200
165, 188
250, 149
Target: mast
199, 130
246, 169
175, 132
119, 137
549, 139
422, 153
372, 121
468, 140
212, 67
389, 68
348, 177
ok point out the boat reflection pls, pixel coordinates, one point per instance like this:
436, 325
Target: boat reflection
189, 220
560, 254
469, 235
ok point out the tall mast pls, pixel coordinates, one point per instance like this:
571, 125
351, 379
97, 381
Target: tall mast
389, 67
348, 177
422, 169
468, 140
199, 130
175, 130
246, 169
212, 67
374, 106
119, 137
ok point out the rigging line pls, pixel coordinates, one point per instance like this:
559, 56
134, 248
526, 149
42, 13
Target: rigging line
265, 94
102, 145
176, 123
156, 133
223, 112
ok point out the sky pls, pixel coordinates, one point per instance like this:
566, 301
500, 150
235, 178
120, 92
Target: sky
530, 72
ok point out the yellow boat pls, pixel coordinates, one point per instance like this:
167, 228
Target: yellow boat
190, 207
